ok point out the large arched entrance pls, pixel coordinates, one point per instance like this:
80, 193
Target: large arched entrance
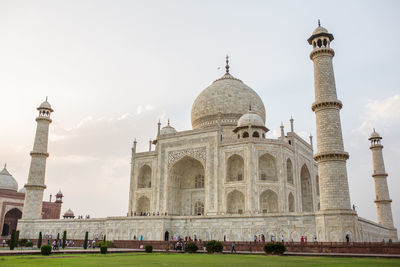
186, 187
10, 221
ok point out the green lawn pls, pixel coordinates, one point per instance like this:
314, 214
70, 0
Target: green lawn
192, 260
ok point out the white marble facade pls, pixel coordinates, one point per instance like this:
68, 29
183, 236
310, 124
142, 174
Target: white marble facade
228, 176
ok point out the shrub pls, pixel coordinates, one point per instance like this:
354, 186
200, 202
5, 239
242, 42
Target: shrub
108, 244
39, 242
103, 249
104, 239
214, 246
148, 248
276, 248
45, 250
22, 242
85, 242
29, 244
191, 247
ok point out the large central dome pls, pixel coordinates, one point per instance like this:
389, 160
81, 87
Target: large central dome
225, 100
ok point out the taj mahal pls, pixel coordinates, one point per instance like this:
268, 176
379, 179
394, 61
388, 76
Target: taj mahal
226, 178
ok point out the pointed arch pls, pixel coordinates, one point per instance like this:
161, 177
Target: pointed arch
289, 171
144, 178
256, 134
235, 168
10, 221
291, 202
185, 186
269, 202
245, 135
306, 191
267, 168
235, 202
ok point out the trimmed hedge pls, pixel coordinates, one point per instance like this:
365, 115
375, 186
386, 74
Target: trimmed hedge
29, 244
148, 248
45, 250
108, 244
22, 242
191, 247
214, 246
103, 249
276, 248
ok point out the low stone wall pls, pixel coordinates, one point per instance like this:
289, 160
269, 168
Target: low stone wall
319, 247
311, 247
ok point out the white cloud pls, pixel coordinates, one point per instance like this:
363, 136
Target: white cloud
380, 114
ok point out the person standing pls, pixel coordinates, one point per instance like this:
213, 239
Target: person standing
347, 238
233, 247
4, 243
250, 247
282, 239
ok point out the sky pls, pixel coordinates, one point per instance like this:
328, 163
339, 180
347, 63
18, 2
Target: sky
112, 69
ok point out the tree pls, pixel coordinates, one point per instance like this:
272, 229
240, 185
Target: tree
39, 242
104, 239
58, 238
85, 242
16, 238
12, 240
64, 240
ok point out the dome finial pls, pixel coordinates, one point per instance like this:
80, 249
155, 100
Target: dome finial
168, 122
319, 23
46, 98
227, 64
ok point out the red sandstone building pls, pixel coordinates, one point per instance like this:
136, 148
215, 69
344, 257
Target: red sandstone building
12, 202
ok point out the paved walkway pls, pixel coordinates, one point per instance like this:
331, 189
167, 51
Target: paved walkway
6, 252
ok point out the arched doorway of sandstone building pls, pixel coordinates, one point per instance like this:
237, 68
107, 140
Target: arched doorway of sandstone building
235, 202
10, 221
142, 205
269, 202
166, 236
185, 187
306, 191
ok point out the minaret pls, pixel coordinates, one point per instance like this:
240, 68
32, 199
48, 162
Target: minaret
383, 201
330, 156
35, 186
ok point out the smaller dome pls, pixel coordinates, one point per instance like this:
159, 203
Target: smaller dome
319, 30
374, 135
167, 130
45, 105
250, 118
22, 190
7, 181
59, 193
68, 213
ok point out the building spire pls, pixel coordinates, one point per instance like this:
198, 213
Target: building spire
319, 23
227, 64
